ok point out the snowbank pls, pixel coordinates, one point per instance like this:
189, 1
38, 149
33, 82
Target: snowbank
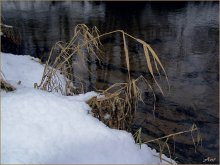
42, 127
26, 69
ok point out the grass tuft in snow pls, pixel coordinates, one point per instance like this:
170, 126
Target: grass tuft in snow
120, 102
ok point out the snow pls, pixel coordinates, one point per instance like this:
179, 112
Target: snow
26, 69
43, 128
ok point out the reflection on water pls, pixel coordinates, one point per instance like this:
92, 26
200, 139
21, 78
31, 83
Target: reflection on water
185, 36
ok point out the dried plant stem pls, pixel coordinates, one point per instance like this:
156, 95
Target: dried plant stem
193, 128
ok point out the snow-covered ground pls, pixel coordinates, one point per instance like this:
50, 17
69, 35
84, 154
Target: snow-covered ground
42, 127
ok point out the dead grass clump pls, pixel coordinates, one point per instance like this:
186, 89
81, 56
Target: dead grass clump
117, 106
64, 56
5, 85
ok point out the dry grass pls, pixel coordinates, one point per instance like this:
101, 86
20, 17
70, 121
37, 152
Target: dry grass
119, 103
82, 45
163, 141
121, 99
4, 84
117, 106
85, 44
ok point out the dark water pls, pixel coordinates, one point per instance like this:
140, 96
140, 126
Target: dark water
184, 35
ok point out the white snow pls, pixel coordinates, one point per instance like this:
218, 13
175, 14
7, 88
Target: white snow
26, 69
41, 127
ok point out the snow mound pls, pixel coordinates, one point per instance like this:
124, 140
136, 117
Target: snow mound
41, 127
17, 68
